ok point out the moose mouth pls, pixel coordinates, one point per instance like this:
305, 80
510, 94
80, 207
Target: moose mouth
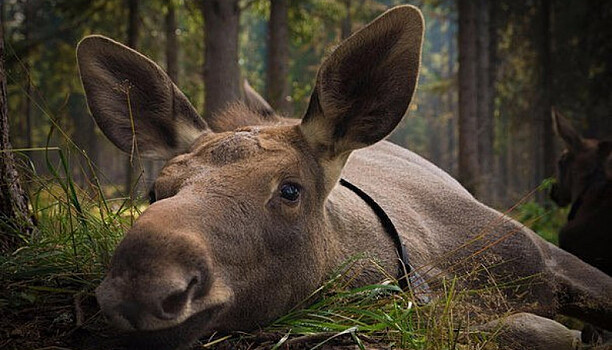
174, 337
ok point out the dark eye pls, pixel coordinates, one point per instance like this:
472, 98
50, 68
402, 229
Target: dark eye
290, 192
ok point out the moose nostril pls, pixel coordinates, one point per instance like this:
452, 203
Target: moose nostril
176, 302
131, 311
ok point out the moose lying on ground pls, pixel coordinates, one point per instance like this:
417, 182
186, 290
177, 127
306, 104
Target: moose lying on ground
584, 179
248, 200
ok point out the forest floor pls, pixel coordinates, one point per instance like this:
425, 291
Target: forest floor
73, 321
47, 291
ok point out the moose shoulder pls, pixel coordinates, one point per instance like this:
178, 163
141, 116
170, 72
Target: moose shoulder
584, 179
249, 200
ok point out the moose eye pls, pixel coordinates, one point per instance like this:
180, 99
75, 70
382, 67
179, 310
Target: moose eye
290, 192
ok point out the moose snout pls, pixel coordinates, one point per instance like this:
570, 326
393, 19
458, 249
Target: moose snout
557, 195
157, 280
163, 304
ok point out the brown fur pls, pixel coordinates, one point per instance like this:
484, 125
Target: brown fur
585, 180
221, 249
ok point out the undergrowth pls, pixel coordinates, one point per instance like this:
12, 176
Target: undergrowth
546, 219
47, 294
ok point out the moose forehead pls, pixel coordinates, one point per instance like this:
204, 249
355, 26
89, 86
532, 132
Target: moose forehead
248, 152
230, 148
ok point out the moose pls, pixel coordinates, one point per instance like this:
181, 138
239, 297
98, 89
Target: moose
248, 200
584, 179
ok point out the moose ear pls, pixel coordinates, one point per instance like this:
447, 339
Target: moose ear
134, 101
364, 88
255, 102
251, 110
563, 128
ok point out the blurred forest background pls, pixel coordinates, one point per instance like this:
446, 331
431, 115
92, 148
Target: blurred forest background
491, 72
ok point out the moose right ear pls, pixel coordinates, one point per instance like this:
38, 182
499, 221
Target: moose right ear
563, 128
365, 87
134, 101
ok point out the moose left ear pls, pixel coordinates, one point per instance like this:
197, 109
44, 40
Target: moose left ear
364, 88
564, 129
255, 102
134, 102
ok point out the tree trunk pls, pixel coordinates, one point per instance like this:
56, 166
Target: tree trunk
347, 23
171, 43
153, 167
451, 125
545, 165
278, 57
133, 24
133, 36
221, 71
469, 172
14, 213
484, 111
496, 181
26, 64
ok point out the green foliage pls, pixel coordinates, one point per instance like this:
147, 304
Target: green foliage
64, 261
546, 220
72, 245
369, 316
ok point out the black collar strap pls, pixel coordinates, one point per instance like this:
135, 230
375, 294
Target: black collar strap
408, 276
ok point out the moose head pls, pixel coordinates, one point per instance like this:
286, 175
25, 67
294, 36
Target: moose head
242, 228
582, 163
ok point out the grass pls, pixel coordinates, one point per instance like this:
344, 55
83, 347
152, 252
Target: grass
544, 219
47, 295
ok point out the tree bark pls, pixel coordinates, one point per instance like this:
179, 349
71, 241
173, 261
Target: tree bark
26, 63
221, 71
469, 169
278, 57
171, 43
133, 24
484, 111
451, 126
14, 214
545, 162
496, 182
347, 23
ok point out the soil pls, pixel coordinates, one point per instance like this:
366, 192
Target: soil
80, 326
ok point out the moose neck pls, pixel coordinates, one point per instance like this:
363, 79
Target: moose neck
358, 233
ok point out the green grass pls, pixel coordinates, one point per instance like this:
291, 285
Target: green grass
48, 284
545, 220
49, 281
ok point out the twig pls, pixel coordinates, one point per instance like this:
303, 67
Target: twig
78, 310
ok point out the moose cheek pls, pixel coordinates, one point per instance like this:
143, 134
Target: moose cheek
283, 228
284, 210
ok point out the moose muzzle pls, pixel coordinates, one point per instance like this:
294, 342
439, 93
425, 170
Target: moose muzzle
160, 275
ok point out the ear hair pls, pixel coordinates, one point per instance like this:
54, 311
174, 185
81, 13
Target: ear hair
564, 129
255, 102
364, 88
134, 102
